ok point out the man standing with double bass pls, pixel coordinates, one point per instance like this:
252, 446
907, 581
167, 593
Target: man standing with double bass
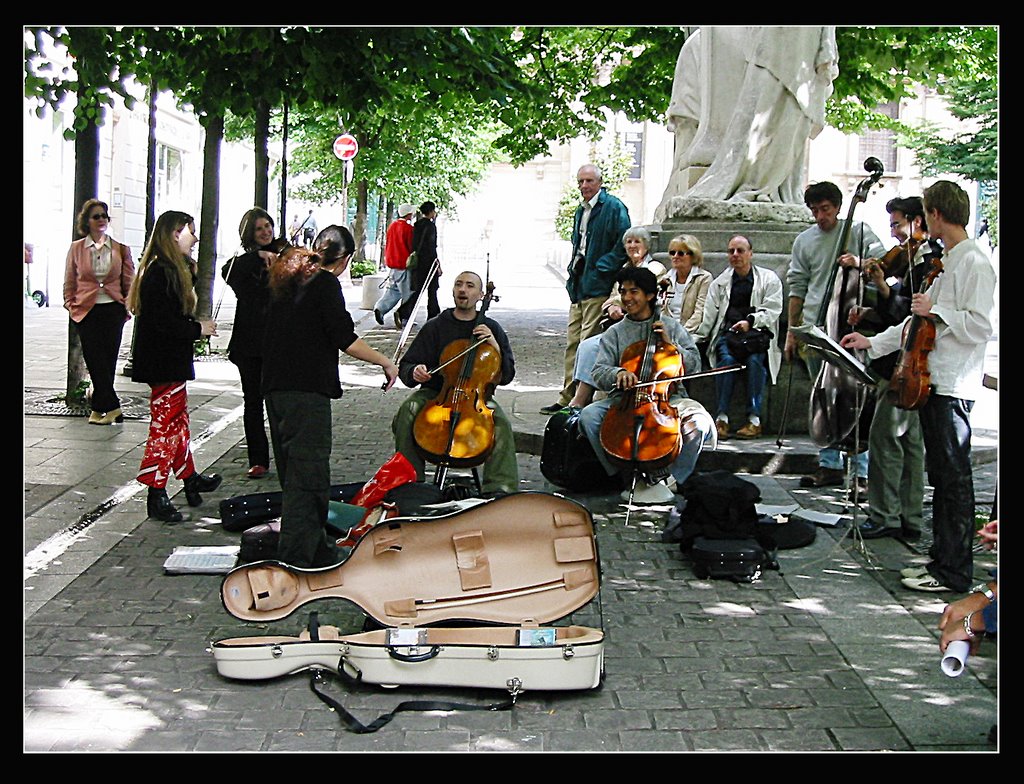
419, 367
960, 303
807, 278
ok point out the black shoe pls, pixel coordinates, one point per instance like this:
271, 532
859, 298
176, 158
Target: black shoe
159, 507
200, 483
873, 530
554, 408
823, 477
399, 323
378, 316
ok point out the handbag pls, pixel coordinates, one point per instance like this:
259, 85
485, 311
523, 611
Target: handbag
753, 341
412, 261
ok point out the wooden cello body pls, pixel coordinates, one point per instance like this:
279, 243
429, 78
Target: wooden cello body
837, 404
643, 429
456, 428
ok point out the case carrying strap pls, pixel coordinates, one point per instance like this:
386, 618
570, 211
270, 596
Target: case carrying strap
352, 724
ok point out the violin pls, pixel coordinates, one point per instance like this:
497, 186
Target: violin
457, 428
643, 428
910, 386
837, 405
899, 259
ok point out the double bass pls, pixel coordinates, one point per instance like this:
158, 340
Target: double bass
456, 428
910, 385
837, 404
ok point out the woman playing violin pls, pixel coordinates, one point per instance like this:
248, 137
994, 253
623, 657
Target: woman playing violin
638, 288
419, 367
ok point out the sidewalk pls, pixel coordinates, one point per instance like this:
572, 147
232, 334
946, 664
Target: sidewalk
830, 653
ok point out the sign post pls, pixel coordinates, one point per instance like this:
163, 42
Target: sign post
345, 149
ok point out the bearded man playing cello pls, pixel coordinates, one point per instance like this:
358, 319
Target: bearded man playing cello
419, 367
639, 289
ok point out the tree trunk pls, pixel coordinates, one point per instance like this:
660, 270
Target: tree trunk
359, 224
87, 179
151, 163
262, 134
283, 226
381, 227
209, 214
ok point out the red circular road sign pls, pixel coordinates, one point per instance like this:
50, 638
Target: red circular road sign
346, 147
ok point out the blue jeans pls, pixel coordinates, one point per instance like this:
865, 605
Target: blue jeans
398, 289
946, 426
830, 456
586, 358
593, 415
757, 375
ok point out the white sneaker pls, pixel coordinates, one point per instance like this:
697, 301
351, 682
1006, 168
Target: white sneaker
914, 571
650, 494
926, 583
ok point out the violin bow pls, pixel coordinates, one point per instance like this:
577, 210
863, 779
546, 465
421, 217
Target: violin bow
412, 318
460, 354
715, 372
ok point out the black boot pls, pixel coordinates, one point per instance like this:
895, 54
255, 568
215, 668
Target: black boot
200, 483
159, 507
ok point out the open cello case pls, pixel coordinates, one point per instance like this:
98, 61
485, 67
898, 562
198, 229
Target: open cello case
466, 599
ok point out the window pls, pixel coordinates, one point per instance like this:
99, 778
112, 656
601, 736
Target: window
168, 178
881, 143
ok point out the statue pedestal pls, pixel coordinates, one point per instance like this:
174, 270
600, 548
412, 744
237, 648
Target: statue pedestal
771, 229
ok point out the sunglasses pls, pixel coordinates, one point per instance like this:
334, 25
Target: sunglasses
99, 216
680, 253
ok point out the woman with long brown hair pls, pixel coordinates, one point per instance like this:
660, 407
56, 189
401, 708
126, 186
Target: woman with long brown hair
97, 278
163, 298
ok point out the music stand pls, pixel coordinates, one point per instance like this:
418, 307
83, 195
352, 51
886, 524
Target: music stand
836, 355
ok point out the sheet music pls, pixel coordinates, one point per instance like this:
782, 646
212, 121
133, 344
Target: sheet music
833, 353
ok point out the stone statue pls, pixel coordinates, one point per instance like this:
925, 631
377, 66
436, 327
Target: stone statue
745, 100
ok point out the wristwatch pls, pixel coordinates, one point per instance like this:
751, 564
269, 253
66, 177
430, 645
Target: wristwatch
983, 588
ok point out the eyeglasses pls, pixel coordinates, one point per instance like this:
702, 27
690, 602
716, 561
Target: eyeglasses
680, 253
99, 216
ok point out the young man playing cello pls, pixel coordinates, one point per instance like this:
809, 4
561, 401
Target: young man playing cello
960, 303
639, 288
420, 367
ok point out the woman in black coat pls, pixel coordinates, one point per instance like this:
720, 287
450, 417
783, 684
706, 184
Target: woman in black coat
247, 277
163, 299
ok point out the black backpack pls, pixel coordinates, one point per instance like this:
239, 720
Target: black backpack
719, 505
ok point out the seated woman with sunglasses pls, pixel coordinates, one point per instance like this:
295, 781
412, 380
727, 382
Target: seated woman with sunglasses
97, 278
637, 241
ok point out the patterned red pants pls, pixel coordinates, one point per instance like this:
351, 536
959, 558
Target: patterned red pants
168, 450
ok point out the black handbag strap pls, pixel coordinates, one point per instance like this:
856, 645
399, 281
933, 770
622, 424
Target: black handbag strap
352, 724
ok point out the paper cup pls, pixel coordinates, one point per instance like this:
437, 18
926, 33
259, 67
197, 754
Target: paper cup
955, 657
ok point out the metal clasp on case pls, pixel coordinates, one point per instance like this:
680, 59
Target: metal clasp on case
492, 652
514, 686
567, 652
276, 652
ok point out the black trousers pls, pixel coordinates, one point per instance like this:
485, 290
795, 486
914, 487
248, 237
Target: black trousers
100, 332
300, 428
418, 276
946, 427
250, 371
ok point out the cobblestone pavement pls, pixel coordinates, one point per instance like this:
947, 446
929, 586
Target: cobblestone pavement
829, 653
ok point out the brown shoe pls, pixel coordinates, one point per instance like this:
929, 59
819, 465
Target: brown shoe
723, 429
823, 477
749, 430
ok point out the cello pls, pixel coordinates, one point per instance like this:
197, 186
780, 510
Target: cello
456, 428
910, 385
837, 405
643, 429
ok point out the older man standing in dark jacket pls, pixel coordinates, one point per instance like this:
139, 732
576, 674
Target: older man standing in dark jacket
597, 256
